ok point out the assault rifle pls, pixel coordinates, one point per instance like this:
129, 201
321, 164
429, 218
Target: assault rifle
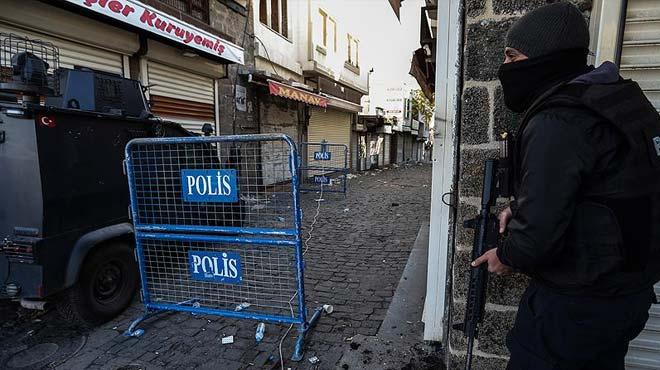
496, 183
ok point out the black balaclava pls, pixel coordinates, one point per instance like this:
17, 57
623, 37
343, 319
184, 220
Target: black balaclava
555, 38
523, 82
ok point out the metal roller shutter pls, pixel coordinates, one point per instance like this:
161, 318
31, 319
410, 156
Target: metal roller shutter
330, 125
73, 54
181, 96
386, 149
640, 60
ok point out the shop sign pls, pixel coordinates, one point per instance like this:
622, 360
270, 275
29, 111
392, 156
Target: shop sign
159, 23
209, 186
289, 92
217, 267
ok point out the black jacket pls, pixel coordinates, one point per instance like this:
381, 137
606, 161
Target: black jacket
578, 226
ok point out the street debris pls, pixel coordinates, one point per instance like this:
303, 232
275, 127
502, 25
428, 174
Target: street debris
242, 306
314, 360
351, 176
259, 334
228, 340
346, 209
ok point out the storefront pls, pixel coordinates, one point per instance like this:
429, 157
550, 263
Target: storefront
178, 62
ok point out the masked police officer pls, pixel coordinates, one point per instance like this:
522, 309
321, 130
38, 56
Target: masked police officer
585, 222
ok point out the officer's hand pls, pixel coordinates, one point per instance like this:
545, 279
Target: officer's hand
494, 264
504, 217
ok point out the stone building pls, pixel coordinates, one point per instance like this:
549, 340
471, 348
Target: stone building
470, 115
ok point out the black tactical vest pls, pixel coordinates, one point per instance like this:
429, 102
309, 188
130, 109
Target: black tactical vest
612, 245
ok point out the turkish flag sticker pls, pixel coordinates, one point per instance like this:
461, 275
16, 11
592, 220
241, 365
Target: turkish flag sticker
47, 121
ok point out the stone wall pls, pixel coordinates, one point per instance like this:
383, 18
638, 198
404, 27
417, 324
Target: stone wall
229, 19
484, 117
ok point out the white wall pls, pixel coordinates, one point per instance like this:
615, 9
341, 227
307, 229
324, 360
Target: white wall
280, 50
330, 63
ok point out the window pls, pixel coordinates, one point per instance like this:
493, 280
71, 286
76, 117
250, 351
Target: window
198, 9
329, 26
334, 33
353, 51
324, 25
274, 14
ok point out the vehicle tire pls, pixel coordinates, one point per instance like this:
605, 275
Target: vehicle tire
106, 285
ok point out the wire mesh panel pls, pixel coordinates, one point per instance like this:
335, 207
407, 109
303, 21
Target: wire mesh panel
325, 166
164, 193
217, 223
264, 285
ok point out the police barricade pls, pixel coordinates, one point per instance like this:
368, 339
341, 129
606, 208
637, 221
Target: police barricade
325, 167
217, 227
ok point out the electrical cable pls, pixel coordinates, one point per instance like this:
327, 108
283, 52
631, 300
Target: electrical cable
267, 55
306, 244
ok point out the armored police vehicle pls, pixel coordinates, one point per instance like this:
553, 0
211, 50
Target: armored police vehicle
65, 236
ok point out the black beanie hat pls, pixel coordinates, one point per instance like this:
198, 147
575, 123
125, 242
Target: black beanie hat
548, 29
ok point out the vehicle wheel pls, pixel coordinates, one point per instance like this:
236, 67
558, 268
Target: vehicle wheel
106, 285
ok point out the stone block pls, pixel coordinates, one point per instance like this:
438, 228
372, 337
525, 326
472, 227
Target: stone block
485, 49
504, 7
505, 119
465, 236
516, 6
461, 273
493, 331
471, 170
456, 337
506, 290
476, 116
475, 8
457, 361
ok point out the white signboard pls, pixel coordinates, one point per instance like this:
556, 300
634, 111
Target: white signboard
159, 23
241, 97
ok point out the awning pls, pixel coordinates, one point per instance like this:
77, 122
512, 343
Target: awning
156, 22
424, 73
294, 93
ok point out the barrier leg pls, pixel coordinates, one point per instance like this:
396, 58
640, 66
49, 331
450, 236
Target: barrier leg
304, 328
132, 330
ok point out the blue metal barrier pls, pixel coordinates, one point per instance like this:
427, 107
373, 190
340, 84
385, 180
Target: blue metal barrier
218, 228
325, 166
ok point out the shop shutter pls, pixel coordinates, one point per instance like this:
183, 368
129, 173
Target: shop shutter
640, 53
386, 149
354, 150
640, 60
73, 54
330, 125
181, 96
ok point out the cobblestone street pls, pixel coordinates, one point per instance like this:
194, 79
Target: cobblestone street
357, 253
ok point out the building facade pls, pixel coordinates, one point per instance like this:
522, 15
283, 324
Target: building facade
470, 114
307, 65
180, 51
394, 131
